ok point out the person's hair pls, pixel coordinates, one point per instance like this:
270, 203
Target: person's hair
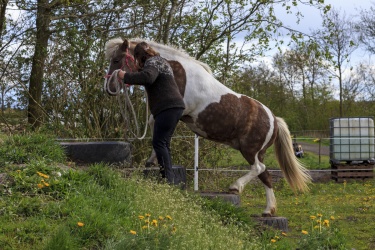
142, 52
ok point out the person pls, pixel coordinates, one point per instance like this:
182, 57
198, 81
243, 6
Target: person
165, 101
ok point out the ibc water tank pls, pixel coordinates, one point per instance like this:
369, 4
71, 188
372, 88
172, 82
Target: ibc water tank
352, 139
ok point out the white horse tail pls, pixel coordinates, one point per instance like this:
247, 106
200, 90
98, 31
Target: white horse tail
294, 171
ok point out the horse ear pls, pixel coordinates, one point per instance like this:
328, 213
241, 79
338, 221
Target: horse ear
125, 45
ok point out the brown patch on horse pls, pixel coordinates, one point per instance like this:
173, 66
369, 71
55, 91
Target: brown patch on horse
240, 122
179, 75
266, 178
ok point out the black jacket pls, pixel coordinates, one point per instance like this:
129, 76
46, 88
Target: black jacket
157, 77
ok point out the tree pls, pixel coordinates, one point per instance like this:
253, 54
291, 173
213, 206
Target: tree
366, 28
338, 39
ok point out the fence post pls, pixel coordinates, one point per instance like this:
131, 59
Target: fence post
196, 154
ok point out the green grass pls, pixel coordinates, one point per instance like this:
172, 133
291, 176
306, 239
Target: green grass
47, 205
349, 208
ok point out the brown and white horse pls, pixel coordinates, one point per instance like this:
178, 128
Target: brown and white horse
217, 113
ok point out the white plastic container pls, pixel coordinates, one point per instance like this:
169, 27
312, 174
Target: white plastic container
352, 139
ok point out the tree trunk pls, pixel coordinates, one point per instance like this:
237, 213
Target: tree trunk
35, 111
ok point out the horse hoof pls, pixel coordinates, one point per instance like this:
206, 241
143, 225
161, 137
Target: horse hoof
267, 215
233, 191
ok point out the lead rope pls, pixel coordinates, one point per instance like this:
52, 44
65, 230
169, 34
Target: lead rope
127, 103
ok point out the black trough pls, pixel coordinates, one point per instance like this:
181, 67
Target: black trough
95, 152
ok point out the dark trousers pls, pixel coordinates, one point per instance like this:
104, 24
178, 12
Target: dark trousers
165, 124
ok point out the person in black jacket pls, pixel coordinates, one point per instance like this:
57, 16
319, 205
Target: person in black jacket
165, 101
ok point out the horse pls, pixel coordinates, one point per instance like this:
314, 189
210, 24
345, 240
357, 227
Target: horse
215, 112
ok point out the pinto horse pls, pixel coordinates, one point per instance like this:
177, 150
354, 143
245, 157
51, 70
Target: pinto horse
215, 112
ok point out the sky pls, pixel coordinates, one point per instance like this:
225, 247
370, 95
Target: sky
312, 21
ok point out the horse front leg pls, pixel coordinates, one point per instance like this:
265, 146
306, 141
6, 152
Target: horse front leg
152, 160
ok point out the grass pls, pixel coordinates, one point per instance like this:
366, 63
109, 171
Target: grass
348, 207
46, 204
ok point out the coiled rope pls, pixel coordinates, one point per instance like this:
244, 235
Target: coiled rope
115, 81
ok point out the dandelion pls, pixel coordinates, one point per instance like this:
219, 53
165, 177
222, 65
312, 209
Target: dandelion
46, 184
319, 215
161, 218
304, 232
312, 217
273, 240
42, 175
332, 217
154, 223
144, 227
148, 215
133, 232
168, 217
80, 224
141, 217
326, 223
284, 234
40, 185
174, 229
18, 171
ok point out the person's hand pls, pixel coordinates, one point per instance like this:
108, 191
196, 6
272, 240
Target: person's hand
121, 74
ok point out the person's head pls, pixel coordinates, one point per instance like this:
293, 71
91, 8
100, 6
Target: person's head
142, 52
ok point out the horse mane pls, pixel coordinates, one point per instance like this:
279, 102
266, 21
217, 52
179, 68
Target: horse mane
113, 44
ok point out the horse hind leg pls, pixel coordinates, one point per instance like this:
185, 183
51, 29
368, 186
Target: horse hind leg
258, 169
270, 210
255, 169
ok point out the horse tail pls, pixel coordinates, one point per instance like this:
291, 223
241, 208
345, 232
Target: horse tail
294, 171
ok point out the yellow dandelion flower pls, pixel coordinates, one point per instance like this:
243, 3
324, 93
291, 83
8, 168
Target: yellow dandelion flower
133, 232
80, 224
277, 237
42, 175
141, 217
148, 215
154, 223
18, 171
40, 185
147, 221
318, 221
168, 217
284, 234
174, 229
161, 218
316, 227
312, 217
304, 232
144, 227
273, 240
46, 184
332, 217
326, 223
319, 215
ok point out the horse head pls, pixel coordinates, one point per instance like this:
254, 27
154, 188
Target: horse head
117, 52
